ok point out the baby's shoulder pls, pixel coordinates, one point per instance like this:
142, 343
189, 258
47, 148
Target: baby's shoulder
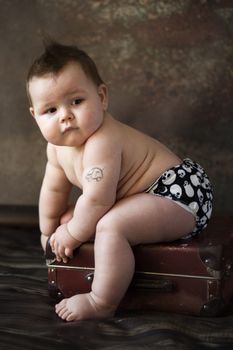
107, 133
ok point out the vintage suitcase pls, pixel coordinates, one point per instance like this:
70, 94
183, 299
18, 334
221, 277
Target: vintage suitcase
193, 277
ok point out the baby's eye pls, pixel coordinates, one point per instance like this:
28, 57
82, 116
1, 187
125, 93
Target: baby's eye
77, 101
51, 110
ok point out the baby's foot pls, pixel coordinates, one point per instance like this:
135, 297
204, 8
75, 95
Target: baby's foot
82, 307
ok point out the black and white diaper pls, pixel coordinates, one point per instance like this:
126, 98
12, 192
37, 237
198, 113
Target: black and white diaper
188, 185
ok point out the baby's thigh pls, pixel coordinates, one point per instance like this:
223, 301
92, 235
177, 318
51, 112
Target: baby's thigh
145, 218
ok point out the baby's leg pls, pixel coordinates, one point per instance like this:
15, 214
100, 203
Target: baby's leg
114, 268
67, 216
141, 218
43, 240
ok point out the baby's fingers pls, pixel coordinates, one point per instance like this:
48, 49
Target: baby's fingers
69, 253
61, 254
51, 242
55, 250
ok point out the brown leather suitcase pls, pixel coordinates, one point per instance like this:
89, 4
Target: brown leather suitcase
191, 277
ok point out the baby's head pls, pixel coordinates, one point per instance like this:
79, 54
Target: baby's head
68, 99
56, 56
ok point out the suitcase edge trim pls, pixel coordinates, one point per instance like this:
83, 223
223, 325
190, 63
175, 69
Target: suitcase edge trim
55, 266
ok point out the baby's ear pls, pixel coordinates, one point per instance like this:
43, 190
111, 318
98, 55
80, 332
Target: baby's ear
103, 93
32, 111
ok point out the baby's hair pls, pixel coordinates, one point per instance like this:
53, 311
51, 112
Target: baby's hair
56, 56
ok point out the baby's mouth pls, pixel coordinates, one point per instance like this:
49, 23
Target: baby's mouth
68, 128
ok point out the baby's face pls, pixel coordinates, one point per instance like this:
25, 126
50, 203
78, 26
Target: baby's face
68, 107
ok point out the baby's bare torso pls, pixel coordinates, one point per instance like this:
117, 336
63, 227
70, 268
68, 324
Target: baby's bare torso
143, 159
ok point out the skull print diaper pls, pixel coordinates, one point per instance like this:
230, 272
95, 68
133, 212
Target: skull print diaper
189, 186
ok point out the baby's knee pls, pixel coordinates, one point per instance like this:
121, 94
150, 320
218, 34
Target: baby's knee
108, 231
106, 224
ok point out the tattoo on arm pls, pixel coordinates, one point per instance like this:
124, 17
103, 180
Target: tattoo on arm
95, 174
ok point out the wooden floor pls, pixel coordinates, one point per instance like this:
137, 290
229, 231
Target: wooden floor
28, 320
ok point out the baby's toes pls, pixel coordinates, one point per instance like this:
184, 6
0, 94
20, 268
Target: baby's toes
64, 314
60, 306
71, 317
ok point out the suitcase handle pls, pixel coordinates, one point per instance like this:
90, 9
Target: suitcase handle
160, 285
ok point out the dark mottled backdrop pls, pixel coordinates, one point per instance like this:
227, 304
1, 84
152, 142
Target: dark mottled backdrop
168, 65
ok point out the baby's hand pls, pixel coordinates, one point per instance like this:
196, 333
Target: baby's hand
63, 244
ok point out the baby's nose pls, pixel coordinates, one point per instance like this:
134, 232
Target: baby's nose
66, 116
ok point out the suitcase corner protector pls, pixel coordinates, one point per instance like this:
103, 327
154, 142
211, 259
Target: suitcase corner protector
54, 292
212, 308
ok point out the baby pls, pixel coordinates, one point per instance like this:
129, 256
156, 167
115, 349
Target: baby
134, 189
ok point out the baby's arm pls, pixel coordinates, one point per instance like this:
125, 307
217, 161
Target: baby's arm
54, 194
101, 162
